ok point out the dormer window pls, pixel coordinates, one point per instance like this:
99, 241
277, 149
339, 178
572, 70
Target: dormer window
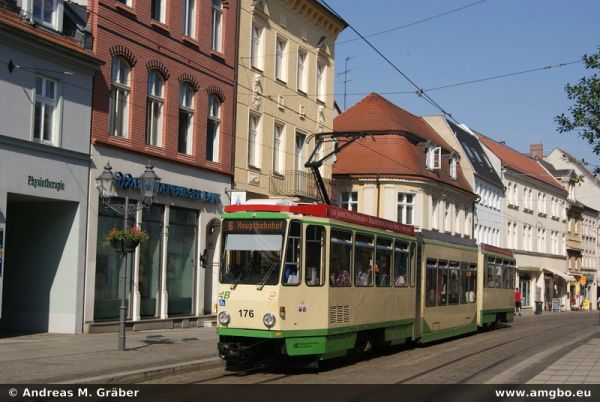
433, 157
453, 167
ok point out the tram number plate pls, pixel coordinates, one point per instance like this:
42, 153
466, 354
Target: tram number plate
246, 313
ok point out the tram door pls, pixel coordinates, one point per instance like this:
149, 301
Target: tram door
417, 266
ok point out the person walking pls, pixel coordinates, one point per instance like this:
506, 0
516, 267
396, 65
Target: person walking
517, 301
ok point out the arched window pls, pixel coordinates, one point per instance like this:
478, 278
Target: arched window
154, 108
216, 42
120, 88
213, 128
186, 114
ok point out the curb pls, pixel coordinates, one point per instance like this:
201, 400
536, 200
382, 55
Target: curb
146, 374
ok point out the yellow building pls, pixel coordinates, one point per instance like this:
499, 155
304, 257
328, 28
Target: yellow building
285, 93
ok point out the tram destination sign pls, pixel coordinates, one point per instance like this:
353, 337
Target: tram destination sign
254, 226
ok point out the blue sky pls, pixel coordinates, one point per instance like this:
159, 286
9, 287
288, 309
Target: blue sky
493, 37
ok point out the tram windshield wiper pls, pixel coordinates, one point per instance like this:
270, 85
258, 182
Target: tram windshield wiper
267, 275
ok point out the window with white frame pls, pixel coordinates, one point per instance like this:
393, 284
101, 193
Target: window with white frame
154, 108
281, 63
213, 128
119, 97
278, 147
433, 157
216, 38
158, 10
126, 2
405, 208
253, 135
350, 200
302, 80
256, 47
46, 110
321, 81
189, 18
47, 13
186, 117
454, 168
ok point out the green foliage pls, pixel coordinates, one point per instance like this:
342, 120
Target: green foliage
584, 116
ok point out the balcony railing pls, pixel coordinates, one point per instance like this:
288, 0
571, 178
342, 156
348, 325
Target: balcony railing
298, 183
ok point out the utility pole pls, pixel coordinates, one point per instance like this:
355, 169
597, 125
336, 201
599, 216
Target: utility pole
346, 80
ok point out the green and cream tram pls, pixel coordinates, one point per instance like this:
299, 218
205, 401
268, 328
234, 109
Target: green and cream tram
496, 301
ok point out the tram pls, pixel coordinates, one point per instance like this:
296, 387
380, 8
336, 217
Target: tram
496, 301
317, 281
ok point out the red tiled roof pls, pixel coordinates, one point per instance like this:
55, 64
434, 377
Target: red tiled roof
394, 155
519, 162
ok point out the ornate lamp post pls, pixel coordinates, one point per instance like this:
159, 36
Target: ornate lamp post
148, 184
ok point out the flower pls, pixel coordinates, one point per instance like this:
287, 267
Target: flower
131, 233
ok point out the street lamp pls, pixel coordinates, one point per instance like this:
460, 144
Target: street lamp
148, 184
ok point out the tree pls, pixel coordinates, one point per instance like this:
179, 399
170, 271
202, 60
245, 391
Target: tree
584, 115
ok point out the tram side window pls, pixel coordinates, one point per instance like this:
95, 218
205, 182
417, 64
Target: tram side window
401, 264
291, 272
442, 289
315, 255
513, 274
340, 252
490, 272
430, 282
363, 260
498, 280
468, 281
506, 271
384, 263
453, 281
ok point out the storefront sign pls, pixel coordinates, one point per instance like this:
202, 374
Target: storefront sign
127, 181
45, 183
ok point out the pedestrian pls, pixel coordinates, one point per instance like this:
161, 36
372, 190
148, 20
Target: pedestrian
517, 301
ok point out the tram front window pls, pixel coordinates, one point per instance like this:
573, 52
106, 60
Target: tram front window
253, 257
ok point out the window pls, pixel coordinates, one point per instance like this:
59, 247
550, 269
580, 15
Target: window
213, 128
363, 260
302, 71
278, 154
126, 2
293, 253
119, 97
340, 258
468, 282
157, 10
253, 129
321, 82
383, 275
46, 13
441, 295
430, 282
189, 18
453, 168
405, 208
433, 157
281, 59
315, 255
401, 258
186, 114
256, 48
45, 113
453, 281
217, 22
350, 200
154, 112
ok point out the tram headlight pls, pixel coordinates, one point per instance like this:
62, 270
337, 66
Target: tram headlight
269, 320
224, 318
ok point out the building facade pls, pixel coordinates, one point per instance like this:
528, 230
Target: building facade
481, 171
46, 83
284, 94
534, 220
165, 95
417, 178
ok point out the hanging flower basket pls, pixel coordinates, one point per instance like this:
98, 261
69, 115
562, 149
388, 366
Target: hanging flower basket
125, 241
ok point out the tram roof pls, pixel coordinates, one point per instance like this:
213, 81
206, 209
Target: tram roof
327, 211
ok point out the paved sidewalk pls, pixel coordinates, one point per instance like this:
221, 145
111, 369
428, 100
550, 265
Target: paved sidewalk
94, 358
580, 366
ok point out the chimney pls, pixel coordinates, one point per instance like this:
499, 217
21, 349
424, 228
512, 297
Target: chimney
536, 151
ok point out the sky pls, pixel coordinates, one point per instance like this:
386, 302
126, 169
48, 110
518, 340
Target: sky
481, 39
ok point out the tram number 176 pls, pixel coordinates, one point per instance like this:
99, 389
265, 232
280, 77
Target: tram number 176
246, 313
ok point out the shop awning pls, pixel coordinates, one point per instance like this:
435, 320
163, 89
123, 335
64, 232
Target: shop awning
563, 275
